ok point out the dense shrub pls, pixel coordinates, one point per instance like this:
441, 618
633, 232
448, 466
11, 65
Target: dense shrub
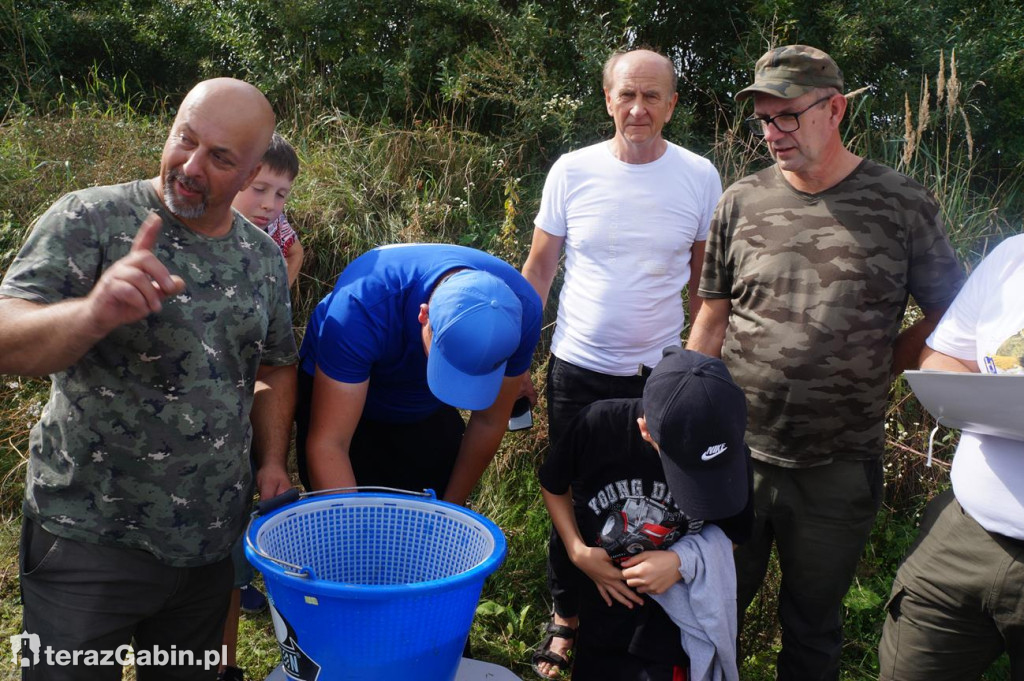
527, 71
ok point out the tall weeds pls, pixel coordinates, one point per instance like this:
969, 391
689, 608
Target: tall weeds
363, 185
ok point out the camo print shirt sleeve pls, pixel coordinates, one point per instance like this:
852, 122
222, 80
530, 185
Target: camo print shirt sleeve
144, 442
818, 286
61, 257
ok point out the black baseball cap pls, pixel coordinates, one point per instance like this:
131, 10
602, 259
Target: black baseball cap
698, 416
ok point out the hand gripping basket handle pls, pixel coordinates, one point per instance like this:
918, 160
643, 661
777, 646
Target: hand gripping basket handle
272, 504
293, 495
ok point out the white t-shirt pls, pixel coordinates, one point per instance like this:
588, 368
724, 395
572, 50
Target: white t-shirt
986, 324
628, 232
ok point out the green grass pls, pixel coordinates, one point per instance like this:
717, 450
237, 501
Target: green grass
367, 183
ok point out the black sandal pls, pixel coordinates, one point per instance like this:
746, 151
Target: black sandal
543, 653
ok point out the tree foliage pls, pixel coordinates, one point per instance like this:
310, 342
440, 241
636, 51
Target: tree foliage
527, 71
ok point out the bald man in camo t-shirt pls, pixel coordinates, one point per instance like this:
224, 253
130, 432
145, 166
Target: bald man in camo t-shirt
163, 320
808, 270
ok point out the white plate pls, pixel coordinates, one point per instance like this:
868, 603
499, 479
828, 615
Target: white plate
991, 404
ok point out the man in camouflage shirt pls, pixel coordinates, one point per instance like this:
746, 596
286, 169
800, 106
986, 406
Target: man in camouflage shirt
158, 312
806, 278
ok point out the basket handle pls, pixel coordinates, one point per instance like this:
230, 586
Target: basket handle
293, 495
265, 506
290, 568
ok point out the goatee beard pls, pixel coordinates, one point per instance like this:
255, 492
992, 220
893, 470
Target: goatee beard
177, 205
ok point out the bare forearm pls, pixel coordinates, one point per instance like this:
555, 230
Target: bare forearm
479, 444
37, 340
696, 302
273, 410
564, 520
540, 281
542, 262
336, 410
705, 341
329, 466
934, 360
293, 261
593, 561
696, 267
906, 352
708, 332
908, 346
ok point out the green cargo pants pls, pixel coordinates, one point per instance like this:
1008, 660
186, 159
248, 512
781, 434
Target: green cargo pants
957, 601
819, 519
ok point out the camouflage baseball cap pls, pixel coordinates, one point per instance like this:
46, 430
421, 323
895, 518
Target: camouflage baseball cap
791, 71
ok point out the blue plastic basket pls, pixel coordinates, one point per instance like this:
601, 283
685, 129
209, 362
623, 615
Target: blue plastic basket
373, 585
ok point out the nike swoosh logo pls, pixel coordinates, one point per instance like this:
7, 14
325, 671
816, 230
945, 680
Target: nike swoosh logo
713, 451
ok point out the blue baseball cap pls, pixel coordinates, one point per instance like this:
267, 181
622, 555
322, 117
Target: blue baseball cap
476, 321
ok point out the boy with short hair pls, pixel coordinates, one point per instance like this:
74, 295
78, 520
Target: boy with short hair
616, 497
262, 202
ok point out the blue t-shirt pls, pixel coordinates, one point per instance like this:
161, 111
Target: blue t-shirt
368, 327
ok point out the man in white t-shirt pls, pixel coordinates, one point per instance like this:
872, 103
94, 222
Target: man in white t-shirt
957, 602
632, 215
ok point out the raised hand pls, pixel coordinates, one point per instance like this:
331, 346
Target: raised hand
134, 286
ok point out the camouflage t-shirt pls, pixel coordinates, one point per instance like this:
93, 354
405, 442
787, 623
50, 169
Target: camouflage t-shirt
818, 286
144, 442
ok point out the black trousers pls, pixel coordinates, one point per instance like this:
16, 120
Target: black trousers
569, 389
91, 600
598, 663
413, 456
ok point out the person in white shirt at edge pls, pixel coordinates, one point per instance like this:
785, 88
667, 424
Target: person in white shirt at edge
957, 602
632, 215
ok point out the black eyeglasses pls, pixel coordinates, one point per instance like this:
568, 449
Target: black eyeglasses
784, 122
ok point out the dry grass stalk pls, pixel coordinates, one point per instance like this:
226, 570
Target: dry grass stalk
856, 93
952, 87
940, 83
923, 110
909, 134
970, 137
